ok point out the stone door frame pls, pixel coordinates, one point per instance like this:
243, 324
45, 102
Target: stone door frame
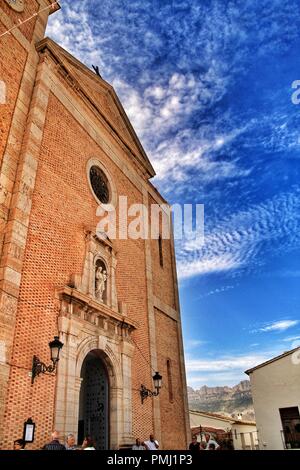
116, 356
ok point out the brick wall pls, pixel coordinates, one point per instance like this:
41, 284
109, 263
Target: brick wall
27, 28
12, 62
18, 61
171, 399
163, 282
62, 207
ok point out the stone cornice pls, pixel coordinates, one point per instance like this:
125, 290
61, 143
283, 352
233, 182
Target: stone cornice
93, 308
57, 7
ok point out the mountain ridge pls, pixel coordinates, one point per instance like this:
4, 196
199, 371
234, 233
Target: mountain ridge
233, 401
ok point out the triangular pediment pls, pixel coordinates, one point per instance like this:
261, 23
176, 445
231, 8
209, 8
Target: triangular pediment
105, 99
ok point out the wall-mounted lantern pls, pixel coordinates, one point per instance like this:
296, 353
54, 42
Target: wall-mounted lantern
145, 392
39, 367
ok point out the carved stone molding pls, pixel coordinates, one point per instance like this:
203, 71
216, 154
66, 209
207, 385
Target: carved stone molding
84, 309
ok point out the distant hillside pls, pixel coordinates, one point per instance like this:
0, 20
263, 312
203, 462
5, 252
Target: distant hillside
226, 400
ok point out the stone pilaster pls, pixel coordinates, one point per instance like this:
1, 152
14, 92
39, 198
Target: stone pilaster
152, 327
16, 230
180, 342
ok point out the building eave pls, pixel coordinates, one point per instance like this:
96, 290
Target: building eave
213, 415
277, 358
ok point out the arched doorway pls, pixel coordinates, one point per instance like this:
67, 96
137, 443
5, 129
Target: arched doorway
93, 418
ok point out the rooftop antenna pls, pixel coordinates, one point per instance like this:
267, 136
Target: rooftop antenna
97, 71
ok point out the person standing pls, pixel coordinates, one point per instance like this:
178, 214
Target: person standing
54, 444
70, 444
152, 444
139, 445
88, 443
210, 440
194, 445
19, 444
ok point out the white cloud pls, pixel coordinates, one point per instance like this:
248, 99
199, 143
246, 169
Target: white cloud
216, 380
156, 109
224, 364
292, 338
224, 370
218, 290
161, 106
71, 27
227, 370
235, 241
187, 268
281, 325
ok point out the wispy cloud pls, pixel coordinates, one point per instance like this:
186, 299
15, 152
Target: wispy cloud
236, 241
219, 290
72, 28
223, 364
228, 369
292, 338
280, 325
196, 267
173, 66
217, 379
225, 370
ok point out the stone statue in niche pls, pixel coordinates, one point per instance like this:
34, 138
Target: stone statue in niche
101, 278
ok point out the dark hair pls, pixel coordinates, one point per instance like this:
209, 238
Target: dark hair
89, 441
21, 443
212, 446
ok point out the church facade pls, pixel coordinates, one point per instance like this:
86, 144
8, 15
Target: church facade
66, 146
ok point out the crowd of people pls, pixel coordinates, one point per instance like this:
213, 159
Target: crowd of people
151, 444
55, 444
88, 444
208, 444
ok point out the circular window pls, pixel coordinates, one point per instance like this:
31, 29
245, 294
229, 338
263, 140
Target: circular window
100, 184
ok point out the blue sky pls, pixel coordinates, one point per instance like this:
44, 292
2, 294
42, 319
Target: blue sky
207, 86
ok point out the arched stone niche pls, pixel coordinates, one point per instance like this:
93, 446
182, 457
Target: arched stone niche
99, 253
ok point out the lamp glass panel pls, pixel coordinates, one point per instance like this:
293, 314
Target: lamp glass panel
55, 353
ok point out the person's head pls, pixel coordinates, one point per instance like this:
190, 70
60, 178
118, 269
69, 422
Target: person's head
207, 437
88, 442
152, 437
55, 436
138, 442
19, 444
194, 439
70, 440
211, 446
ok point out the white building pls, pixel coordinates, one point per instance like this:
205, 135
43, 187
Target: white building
242, 433
275, 388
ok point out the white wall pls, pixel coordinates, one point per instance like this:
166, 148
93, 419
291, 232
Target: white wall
274, 386
196, 419
246, 430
